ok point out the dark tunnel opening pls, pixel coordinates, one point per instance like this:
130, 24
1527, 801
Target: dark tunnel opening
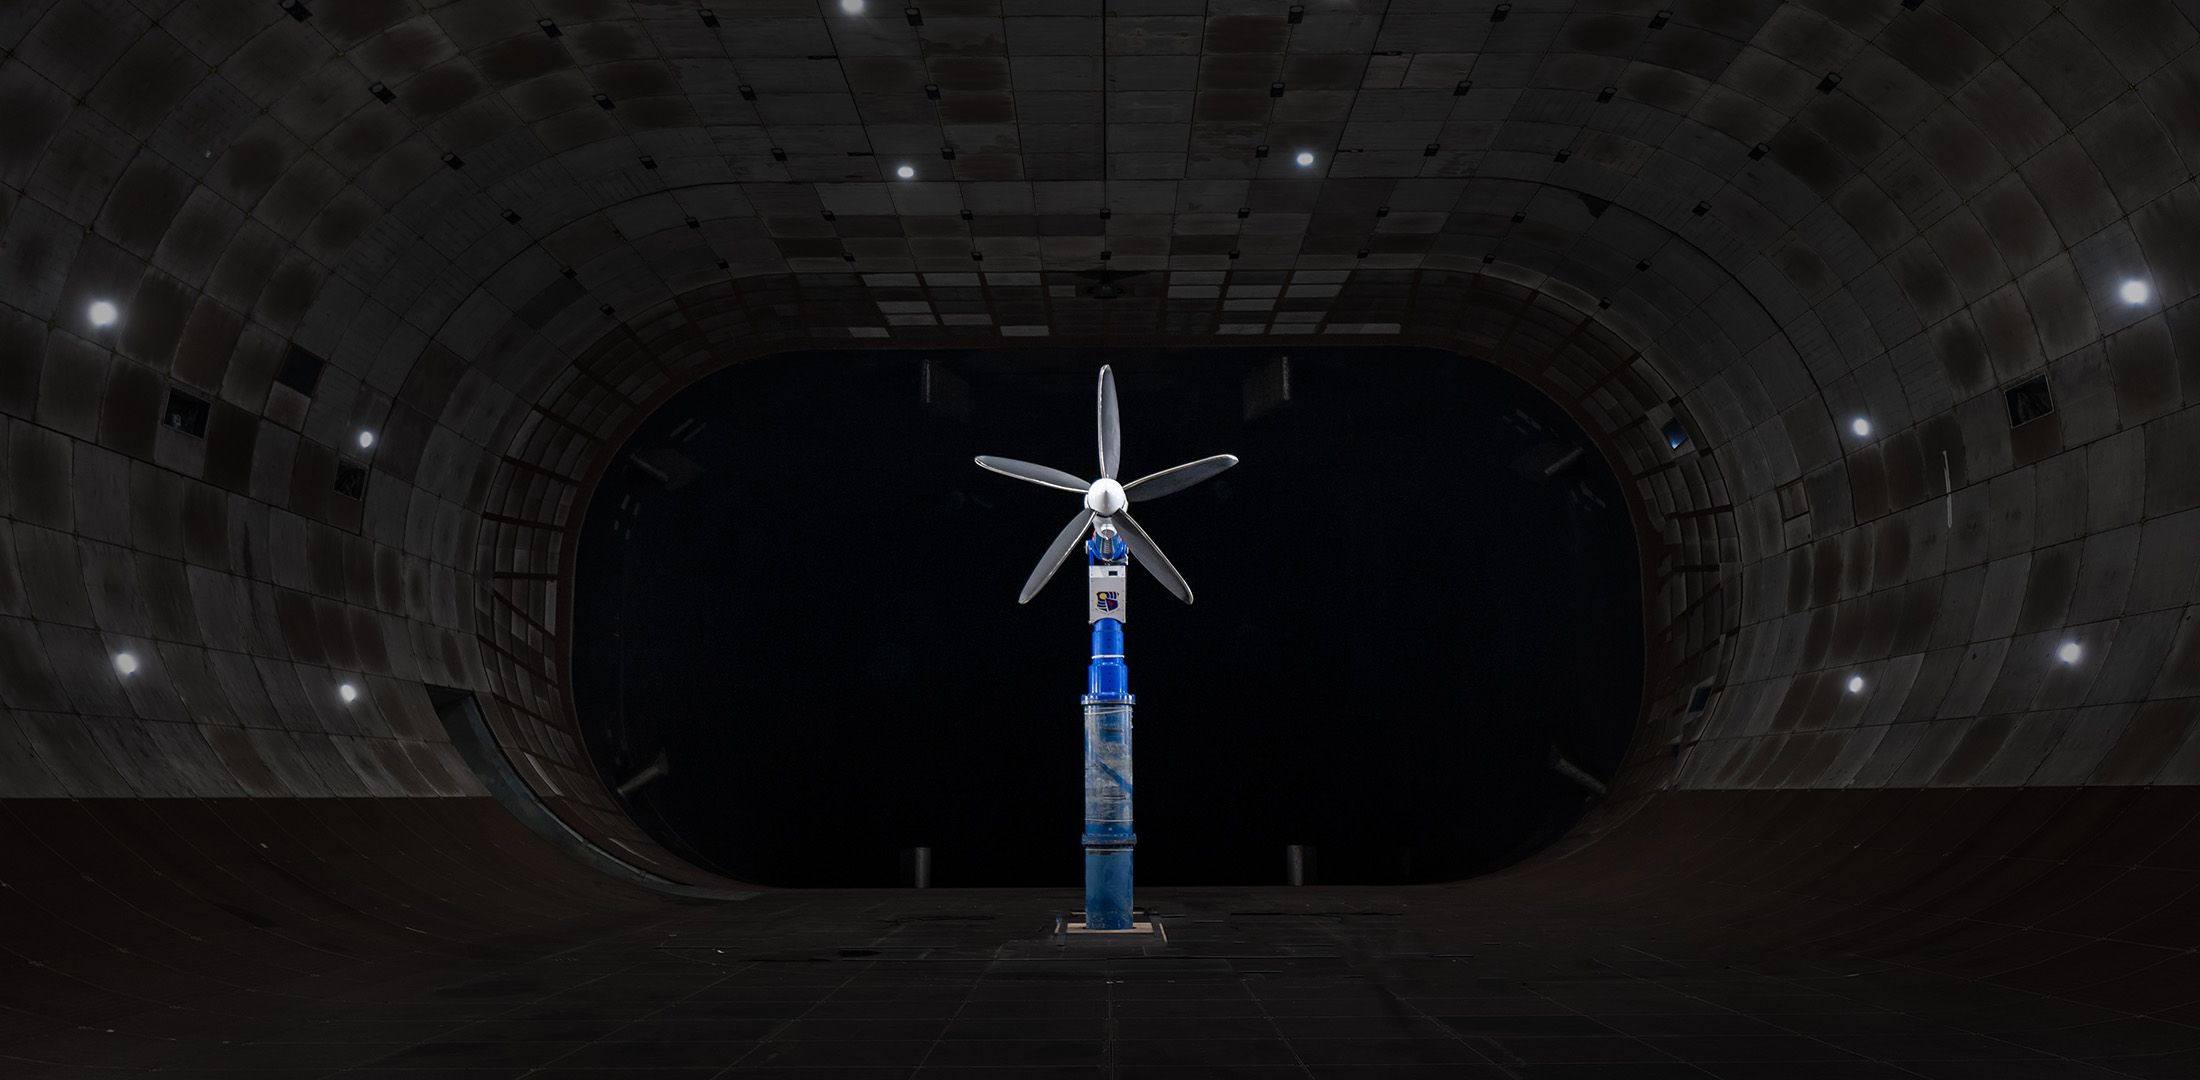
1415, 601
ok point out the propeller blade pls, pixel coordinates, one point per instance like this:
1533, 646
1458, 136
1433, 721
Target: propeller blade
1171, 481
1111, 425
1143, 549
1065, 545
1035, 474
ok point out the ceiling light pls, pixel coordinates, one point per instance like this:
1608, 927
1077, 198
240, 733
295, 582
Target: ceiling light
2070, 652
1856, 684
905, 172
2134, 292
104, 313
125, 663
1305, 158
1860, 426
348, 692
366, 439
852, 7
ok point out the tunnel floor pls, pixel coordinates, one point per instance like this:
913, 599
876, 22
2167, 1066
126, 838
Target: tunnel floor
1325, 982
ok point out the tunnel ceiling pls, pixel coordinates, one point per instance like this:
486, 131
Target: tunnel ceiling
495, 233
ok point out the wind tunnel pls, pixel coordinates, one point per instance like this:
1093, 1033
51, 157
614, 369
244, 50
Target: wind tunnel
322, 324
1415, 591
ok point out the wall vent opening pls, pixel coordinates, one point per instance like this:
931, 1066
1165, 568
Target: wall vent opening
301, 370
186, 414
351, 481
2029, 400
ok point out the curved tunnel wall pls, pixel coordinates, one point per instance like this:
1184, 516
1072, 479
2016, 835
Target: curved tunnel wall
1692, 221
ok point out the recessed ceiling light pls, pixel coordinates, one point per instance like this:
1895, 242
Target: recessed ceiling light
126, 663
1856, 684
1305, 158
905, 172
1860, 426
2134, 292
852, 7
2070, 652
366, 439
348, 692
104, 313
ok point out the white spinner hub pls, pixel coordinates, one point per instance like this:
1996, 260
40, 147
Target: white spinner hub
1106, 497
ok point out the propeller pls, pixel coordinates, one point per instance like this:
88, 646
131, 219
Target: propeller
1107, 500
1111, 425
1065, 545
1037, 474
1146, 551
1171, 481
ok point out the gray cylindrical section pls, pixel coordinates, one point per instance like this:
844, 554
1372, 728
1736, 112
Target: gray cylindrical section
921, 867
1298, 864
1107, 770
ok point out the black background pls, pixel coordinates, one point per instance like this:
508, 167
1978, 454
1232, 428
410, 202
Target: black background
1395, 625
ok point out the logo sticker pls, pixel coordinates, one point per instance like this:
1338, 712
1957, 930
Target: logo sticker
1108, 601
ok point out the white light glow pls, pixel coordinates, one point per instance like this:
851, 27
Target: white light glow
1856, 684
1305, 158
905, 172
1860, 426
2134, 292
366, 439
125, 663
104, 313
852, 7
2070, 652
348, 692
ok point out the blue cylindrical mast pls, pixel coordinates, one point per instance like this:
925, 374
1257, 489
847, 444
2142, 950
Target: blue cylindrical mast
1108, 836
1106, 517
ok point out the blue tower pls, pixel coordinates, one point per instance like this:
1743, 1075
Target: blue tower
1109, 838
1115, 540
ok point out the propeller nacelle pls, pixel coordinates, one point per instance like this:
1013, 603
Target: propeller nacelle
1106, 497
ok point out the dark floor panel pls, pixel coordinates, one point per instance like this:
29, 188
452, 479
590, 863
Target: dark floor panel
1637, 957
1562, 997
